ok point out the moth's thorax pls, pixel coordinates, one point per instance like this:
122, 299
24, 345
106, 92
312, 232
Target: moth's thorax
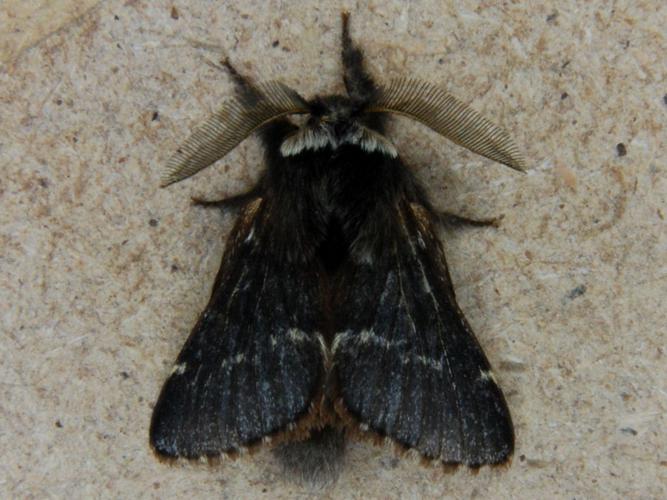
334, 121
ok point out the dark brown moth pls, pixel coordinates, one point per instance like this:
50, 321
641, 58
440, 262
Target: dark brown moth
333, 311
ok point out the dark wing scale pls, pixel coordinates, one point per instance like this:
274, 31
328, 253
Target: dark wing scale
407, 363
253, 364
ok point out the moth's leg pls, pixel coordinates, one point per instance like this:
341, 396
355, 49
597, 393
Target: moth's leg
231, 202
244, 84
454, 220
358, 82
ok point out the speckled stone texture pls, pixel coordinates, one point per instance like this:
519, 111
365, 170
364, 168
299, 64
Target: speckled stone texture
102, 274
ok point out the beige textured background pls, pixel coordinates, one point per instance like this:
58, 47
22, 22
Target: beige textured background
102, 274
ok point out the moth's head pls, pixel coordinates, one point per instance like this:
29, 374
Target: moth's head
335, 121
334, 109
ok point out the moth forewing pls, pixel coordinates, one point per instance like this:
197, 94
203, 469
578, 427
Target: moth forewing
253, 366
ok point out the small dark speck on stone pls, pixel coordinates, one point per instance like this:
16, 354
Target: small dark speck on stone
174, 13
153, 222
564, 95
59, 102
174, 268
577, 291
389, 462
275, 43
156, 116
629, 430
116, 18
621, 149
441, 60
125, 375
565, 64
44, 182
552, 17
59, 424
522, 458
664, 99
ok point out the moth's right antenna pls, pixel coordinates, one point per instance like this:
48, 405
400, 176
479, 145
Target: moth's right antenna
445, 114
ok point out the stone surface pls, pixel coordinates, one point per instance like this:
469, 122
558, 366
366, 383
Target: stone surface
25, 23
102, 274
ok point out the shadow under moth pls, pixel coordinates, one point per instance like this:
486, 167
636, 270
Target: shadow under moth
333, 312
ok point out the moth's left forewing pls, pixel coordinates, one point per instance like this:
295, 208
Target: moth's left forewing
253, 367
407, 364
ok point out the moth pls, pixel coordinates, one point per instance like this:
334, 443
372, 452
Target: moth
333, 311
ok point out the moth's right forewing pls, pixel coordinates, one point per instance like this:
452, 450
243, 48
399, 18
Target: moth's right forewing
407, 364
253, 365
